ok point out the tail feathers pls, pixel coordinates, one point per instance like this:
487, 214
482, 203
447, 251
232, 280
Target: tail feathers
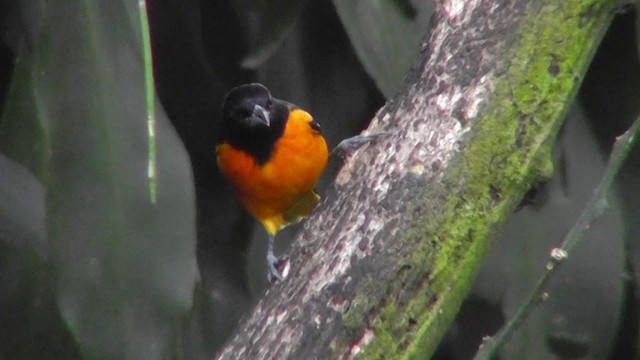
302, 208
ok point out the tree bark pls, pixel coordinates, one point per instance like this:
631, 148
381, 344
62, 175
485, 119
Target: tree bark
385, 261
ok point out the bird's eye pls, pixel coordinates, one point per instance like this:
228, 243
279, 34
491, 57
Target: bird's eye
269, 103
241, 114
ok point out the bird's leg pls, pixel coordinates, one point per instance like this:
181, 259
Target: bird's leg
272, 271
349, 145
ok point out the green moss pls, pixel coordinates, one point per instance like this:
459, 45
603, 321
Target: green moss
355, 316
509, 151
387, 336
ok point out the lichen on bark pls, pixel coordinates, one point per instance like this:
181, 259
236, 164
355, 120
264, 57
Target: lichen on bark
385, 262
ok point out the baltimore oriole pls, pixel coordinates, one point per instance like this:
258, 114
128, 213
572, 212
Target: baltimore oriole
273, 153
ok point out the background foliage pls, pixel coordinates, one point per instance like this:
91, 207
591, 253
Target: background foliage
91, 267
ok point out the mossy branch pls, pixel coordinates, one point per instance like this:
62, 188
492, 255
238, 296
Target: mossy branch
384, 263
594, 208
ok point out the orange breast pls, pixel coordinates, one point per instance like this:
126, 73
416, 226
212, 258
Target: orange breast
268, 191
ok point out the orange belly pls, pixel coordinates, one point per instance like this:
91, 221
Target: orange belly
271, 190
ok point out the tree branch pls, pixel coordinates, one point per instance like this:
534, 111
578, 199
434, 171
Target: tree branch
383, 265
593, 210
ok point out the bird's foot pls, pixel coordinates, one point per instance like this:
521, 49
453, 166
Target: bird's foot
277, 269
349, 145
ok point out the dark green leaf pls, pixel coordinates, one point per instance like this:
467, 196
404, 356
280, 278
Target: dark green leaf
124, 267
22, 219
273, 20
386, 35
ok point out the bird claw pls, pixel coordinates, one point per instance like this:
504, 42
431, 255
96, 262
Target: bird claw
273, 275
349, 145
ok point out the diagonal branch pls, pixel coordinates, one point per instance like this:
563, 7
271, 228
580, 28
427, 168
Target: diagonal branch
383, 265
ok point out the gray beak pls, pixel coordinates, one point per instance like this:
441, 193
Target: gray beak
261, 114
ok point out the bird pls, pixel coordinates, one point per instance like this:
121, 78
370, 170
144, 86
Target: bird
273, 153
